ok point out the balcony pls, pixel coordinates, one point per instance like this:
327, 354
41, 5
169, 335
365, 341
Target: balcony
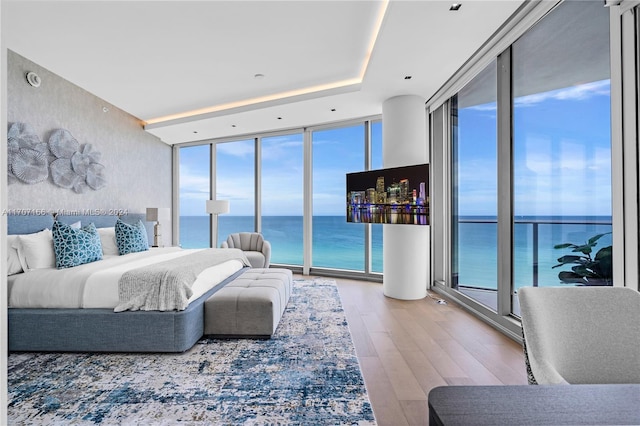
475, 253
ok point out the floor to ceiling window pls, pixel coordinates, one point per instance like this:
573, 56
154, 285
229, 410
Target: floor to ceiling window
562, 150
336, 243
195, 189
271, 169
235, 181
282, 196
526, 182
376, 228
474, 189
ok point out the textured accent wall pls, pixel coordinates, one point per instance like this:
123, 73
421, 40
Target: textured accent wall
138, 165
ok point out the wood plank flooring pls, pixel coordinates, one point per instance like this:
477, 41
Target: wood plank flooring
406, 348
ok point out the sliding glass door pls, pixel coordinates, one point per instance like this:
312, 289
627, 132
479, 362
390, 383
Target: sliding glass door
562, 150
528, 193
474, 189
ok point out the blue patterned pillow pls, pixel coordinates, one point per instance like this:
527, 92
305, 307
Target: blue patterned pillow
74, 246
131, 238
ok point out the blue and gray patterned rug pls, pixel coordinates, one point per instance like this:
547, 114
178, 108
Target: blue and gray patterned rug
307, 374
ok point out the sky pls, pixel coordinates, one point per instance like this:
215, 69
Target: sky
562, 154
562, 162
336, 152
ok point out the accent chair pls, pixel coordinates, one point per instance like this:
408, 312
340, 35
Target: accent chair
255, 247
581, 335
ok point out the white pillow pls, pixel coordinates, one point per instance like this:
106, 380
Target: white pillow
108, 240
13, 260
36, 250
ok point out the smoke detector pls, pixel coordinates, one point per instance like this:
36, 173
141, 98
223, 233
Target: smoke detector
33, 79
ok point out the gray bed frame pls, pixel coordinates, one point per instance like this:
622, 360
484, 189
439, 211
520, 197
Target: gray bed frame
102, 330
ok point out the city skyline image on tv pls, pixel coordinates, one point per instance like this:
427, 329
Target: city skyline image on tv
398, 195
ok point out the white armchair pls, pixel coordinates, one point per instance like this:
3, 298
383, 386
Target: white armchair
255, 247
581, 335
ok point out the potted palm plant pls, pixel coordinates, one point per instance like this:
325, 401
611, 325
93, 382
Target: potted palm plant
587, 270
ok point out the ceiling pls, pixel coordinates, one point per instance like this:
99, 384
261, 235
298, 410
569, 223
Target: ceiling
190, 70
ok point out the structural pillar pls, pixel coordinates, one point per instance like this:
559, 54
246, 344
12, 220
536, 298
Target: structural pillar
406, 248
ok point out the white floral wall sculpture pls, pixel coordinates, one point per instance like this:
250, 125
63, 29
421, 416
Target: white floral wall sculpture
27, 154
75, 166
71, 165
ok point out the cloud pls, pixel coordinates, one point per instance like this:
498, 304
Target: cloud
484, 107
283, 149
193, 185
241, 149
573, 93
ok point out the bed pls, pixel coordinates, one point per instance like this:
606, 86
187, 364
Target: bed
40, 319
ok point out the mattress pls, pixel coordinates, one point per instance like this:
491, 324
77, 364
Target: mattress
95, 285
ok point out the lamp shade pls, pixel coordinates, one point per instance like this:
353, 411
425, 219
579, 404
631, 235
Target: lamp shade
217, 206
155, 214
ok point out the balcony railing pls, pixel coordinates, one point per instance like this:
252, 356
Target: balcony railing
545, 231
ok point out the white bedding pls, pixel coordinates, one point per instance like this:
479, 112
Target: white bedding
95, 285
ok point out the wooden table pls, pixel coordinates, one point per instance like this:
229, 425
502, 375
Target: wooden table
535, 405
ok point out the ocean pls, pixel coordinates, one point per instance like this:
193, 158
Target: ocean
340, 245
336, 243
478, 252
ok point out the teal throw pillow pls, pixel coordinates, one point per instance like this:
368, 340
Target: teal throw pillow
131, 238
73, 246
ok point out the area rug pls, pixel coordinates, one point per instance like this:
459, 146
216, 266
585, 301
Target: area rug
307, 374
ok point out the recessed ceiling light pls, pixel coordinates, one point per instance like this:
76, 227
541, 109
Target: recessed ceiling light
279, 118
333, 109
407, 77
258, 76
455, 6
195, 131
233, 125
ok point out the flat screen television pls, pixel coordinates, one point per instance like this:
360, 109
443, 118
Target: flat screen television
395, 195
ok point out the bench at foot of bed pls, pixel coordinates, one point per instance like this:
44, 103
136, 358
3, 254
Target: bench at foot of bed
250, 306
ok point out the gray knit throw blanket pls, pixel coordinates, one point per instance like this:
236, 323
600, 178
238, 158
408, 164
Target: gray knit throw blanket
166, 286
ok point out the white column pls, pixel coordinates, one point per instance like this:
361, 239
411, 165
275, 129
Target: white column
405, 247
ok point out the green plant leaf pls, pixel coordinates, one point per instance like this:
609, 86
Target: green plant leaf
585, 249
569, 258
565, 245
586, 270
605, 264
595, 238
571, 277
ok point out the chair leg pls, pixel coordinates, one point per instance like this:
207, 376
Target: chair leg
530, 378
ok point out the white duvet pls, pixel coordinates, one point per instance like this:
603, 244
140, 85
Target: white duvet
95, 285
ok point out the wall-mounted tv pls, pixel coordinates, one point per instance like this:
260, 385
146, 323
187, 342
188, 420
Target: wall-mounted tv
395, 195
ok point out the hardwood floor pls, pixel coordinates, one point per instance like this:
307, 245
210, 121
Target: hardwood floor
406, 348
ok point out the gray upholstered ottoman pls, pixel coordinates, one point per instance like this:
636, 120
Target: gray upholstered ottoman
249, 306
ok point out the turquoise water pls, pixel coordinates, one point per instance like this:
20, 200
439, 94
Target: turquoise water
338, 244
477, 252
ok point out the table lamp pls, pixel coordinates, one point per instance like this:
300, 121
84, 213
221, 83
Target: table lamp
156, 214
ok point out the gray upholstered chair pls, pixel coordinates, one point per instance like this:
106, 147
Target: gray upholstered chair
581, 335
256, 248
